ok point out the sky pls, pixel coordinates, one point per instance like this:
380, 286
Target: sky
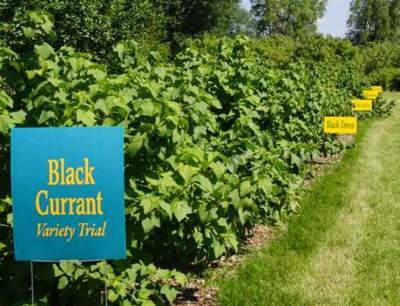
334, 21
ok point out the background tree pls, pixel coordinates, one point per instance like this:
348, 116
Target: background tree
242, 22
394, 12
287, 17
87, 25
194, 17
373, 20
96, 25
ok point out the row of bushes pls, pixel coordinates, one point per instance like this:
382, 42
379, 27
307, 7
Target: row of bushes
217, 140
379, 62
95, 26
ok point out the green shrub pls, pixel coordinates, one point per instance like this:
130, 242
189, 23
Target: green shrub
389, 78
216, 141
87, 25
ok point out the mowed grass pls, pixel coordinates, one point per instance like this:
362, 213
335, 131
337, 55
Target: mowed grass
344, 246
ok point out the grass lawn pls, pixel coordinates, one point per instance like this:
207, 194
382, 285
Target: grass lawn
344, 246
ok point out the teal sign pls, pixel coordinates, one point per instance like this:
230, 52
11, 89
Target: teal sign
68, 193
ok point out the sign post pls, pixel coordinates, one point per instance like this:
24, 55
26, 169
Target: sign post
68, 194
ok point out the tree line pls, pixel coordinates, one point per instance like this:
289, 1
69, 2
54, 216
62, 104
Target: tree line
97, 25
370, 20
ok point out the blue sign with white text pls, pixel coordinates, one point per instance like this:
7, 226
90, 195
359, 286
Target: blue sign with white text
68, 193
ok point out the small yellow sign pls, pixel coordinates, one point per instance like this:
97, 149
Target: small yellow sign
340, 125
371, 97
370, 94
360, 105
378, 89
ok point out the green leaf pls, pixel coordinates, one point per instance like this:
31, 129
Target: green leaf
181, 278
187, 172
5, 99
120, 289
135, 144
223, 222
112, 296
2, 246
28, 32
266, 186
120, 50
62, 283
215, 103
245, 188
144, 293
126, 303
176, 136
166, 208
36, 17
149, 223
5, 124
67, 266
44, 50
30, 74
160, 72
205, 183
45, 116
295, 160
97, 74
169, 292
47, 25
57, 271
181, 210
18, 117
163, 274
10, 219
189, 100
148, 303
147, 108
86, 117
147, 203
154, 89
218, 248
218, 168
54, 81
241, 216
236, 201
132, 274
165, 183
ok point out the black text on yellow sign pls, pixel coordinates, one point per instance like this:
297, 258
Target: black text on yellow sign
340, 125
370, 94
378, 89
360, 105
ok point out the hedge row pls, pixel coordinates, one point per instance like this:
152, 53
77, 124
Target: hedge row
216, 141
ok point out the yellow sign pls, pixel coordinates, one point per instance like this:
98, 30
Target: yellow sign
340, 125
360, 105
370, 94
378, 89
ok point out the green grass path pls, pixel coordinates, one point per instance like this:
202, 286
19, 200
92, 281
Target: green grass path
344, 246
